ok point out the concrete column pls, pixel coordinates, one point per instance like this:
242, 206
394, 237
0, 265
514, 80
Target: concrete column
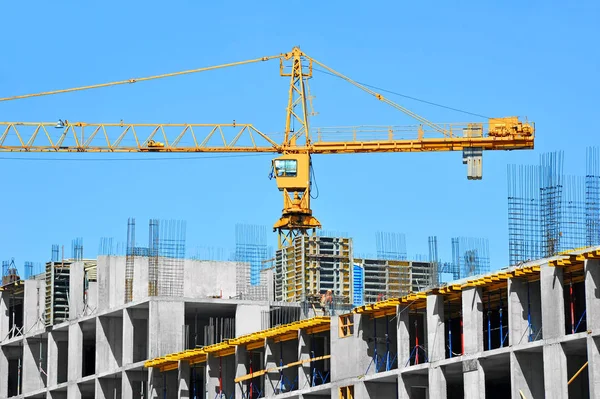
271, 361
4, 325
403, 337
592, 294
212, 376
52, 362
166, 321
183, 391
126, 386
593, 369
73, 391
436, 349
523, 303
31, 306
437, 383
472, 314
154, 384
75, 353
410, 384
553, 308
555, 370
76, 277
109, 343
527, 375
303, 354
32, 377
128, 337
241, 361
473, 379
3, 372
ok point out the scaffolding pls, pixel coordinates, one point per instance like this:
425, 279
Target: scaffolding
129, 260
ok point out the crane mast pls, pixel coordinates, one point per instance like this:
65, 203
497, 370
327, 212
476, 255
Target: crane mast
292, 169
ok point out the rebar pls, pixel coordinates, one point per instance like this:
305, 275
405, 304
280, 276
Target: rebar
28, 269
55, 253
391, 246
471, 256
171, 246
218, 330
109, 247
524, 228
129, 260
592, 196
551, 190
251, 247
434, 259
153, 250
549, 212
573, 222
77, 249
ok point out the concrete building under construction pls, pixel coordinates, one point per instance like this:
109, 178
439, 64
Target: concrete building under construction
84, 329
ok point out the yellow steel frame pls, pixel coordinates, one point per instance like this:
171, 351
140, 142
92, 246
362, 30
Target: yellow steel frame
297, 219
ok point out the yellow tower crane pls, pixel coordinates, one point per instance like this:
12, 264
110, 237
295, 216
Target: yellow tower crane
292, 169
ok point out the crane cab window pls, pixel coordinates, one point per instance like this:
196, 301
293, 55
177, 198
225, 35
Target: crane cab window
286, 167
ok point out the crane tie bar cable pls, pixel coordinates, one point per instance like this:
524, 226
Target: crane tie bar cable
143, 79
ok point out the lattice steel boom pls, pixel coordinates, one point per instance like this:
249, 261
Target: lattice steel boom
296, 146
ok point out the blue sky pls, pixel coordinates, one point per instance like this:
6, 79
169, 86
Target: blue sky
534, 59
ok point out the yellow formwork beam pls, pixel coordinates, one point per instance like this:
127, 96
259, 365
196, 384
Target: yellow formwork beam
252, 341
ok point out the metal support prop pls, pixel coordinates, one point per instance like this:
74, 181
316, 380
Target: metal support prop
530, 337
462, 336
19, 376
250, 388
489, 316
577, 373
416, 343
450, 338
387, 344
220, 394
501, 330
375, 341
193, 381
572, 303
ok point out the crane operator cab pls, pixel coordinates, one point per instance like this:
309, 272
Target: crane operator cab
292, 172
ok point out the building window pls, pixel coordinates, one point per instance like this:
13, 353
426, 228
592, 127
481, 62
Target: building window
346, 325
347, 392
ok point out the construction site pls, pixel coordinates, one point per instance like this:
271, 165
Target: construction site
311, 317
